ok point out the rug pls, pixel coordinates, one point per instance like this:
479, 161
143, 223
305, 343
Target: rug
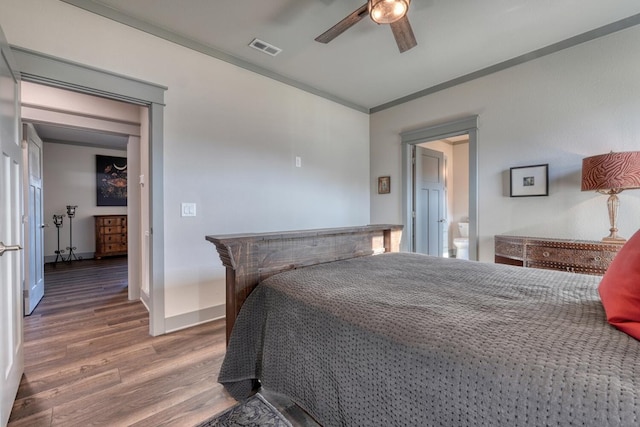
255, 411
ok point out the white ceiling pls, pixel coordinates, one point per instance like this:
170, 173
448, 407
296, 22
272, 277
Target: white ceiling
362, 68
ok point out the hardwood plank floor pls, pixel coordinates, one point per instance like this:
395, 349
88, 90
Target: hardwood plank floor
89, 358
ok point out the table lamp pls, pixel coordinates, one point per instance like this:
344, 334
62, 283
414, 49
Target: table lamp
610, 174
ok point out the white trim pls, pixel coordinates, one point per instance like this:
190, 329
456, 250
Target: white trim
186, 320
45, 69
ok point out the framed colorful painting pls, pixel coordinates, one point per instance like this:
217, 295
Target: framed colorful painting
111, 180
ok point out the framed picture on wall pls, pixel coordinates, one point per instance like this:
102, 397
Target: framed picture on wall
529, 181
384, 185
111, 180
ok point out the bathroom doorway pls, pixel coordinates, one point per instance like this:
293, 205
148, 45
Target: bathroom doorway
462, 136
453, 220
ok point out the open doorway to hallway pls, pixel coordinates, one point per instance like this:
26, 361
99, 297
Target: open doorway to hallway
75, 129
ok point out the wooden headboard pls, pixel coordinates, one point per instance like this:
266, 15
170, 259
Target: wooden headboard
251, 258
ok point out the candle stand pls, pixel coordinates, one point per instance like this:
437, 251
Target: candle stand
71, 212
57, 220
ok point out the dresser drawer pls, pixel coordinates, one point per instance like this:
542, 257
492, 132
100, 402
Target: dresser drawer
510, 249
111, 221
566, 267
587, 258
113, 230
112, 249
114, 238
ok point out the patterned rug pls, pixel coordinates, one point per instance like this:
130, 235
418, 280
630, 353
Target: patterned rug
255, 411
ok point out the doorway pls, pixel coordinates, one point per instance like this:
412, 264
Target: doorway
454, 130
58, 73
76, 129
455, 195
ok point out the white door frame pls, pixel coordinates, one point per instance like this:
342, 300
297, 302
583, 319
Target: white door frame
467, 125
44, 69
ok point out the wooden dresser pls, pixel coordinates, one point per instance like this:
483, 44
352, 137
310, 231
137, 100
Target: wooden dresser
577, 256
111, 235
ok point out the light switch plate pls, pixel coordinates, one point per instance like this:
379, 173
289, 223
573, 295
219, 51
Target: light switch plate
188, 209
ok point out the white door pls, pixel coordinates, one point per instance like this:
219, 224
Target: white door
11, 207
429, 202
34, 238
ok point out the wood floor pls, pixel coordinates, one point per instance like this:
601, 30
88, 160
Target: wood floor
89, 358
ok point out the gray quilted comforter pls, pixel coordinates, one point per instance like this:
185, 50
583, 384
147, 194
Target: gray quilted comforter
412, 340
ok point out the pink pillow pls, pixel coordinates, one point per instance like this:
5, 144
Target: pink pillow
620, 288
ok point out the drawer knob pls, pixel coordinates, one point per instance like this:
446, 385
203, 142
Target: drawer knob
545, 254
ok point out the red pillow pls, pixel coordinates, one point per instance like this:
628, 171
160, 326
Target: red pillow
620, 288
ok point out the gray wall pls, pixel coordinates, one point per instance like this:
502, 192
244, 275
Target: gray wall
557, 109
230, 142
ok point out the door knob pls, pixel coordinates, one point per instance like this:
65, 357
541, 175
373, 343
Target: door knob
4, 248
44, 225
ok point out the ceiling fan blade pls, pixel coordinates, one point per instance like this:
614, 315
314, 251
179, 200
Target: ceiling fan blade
404, 34
343, 25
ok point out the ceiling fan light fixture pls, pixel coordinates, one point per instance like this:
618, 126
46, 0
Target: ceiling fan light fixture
388, 11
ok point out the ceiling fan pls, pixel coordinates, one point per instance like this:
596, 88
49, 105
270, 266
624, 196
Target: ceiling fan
392, 12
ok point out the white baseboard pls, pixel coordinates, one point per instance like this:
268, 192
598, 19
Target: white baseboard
194, 318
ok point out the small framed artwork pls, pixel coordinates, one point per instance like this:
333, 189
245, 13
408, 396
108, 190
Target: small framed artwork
529, 181
384, 185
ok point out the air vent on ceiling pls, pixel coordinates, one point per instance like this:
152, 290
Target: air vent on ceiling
265, 47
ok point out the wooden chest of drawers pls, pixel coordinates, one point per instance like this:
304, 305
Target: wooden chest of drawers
111, 235
578, 256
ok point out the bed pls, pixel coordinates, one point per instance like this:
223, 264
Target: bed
408, 339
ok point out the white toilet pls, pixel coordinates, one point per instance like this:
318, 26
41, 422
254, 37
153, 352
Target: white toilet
462, 243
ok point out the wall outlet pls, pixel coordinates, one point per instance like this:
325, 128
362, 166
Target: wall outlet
298, 161
188, 209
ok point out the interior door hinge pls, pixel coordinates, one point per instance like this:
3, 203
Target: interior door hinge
413, 214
